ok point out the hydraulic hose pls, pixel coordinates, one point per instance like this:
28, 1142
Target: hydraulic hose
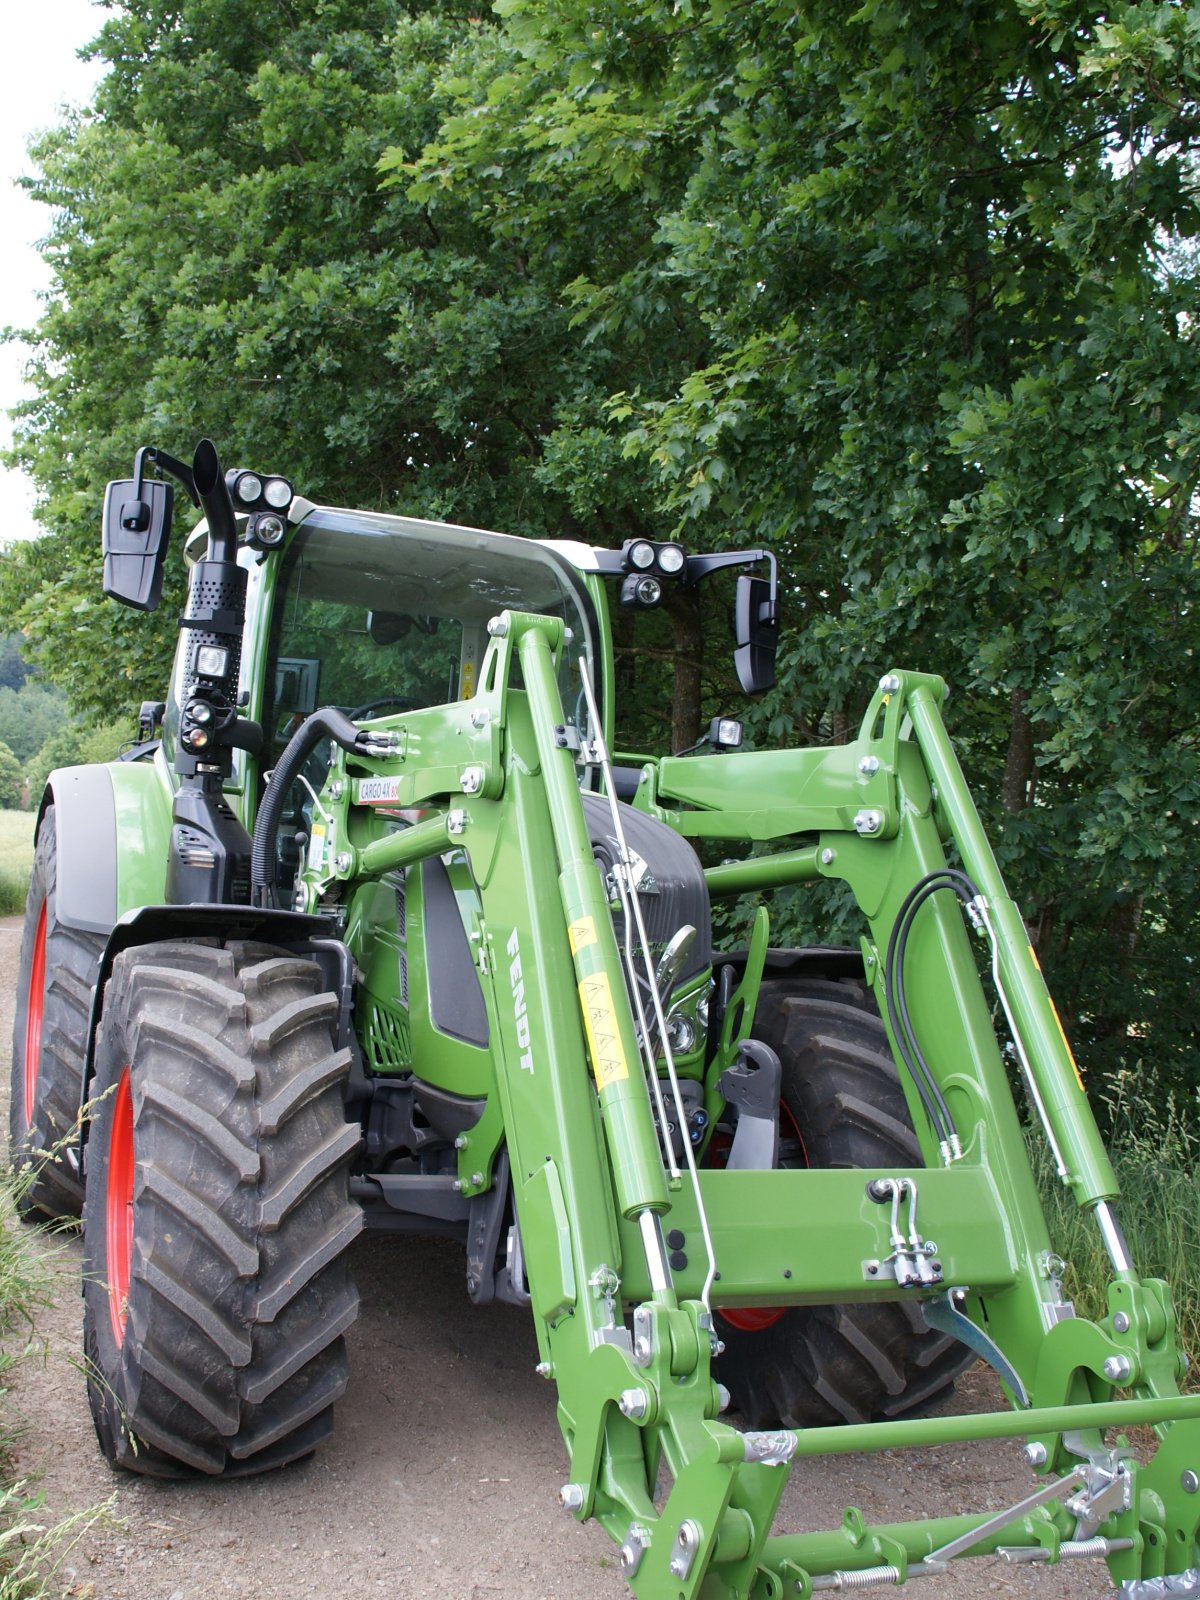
897, 1001
329, 723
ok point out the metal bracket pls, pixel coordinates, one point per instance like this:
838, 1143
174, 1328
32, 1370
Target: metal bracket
912, 1262
1107, 1488
752, 1085
945, 1316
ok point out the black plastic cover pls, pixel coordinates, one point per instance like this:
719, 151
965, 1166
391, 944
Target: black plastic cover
137, 525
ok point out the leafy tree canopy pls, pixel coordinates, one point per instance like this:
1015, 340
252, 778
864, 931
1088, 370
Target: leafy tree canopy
904, 290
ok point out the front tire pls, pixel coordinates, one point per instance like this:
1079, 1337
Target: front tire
842, 1106
217, 1221
57, 976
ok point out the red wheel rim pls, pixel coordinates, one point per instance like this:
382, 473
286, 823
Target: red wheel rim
34, 1008
118, 1210
756, 1319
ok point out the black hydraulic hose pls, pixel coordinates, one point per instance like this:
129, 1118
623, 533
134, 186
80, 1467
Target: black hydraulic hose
897, 1002
329, 723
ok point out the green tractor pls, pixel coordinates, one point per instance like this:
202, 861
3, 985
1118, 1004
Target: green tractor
375, 930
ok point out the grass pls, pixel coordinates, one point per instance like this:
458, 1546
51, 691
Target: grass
33, 1546
1155, 1150
16, 858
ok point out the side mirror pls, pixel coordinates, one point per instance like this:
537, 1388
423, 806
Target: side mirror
756, 631
137, 525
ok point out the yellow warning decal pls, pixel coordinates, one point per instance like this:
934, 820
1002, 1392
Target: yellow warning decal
1062, 1032
581, 933
609, 1065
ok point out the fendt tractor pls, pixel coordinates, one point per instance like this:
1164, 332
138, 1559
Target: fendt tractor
377, 929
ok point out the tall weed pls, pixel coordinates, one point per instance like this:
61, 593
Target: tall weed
1155, 1150
32, 1547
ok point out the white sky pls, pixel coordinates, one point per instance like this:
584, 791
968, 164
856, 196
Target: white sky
39, 74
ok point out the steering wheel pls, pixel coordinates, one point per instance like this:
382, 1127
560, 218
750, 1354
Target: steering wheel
374, 708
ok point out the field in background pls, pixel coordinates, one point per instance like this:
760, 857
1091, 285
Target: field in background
16, 858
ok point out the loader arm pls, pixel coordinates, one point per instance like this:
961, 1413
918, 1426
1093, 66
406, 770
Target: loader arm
625, 1329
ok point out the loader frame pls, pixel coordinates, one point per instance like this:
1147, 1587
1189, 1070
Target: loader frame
625, 1328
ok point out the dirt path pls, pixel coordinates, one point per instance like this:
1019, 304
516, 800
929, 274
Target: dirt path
442, 1477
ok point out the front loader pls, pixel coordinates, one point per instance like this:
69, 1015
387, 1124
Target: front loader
378, 932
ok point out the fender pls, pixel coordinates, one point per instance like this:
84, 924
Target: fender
314, 936
85, 828
112, 824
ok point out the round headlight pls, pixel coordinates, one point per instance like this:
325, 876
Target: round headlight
248, 488
649, 591
268, 529
278, 493
641, 554
671, 559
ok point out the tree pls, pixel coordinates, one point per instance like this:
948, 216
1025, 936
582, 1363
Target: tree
29, 715
228, 263
944, 359
903, 291
76, 745
11, 781
13, 670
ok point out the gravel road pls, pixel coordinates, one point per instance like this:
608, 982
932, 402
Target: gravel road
442, 1477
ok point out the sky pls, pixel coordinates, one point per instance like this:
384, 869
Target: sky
39, 75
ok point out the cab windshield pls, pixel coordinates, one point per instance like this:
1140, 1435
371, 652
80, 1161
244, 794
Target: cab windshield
377, 614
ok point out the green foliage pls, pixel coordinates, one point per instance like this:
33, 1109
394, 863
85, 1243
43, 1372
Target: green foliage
907, 292
11, 779
29, 715
13, 670
33, 1547
76, 744
1156, 1155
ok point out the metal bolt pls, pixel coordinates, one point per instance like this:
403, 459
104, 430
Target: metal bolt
930, 1248
723, 1397
1189, 1481
642, 1351
1036, 1455
337, 789
344, 861
1121, 1321
481, 718
868, 766
460, 1142
571, 1496
498, 627
472, 780
544, 1369
868, 821
633, 1403
456, 822
457, 1185
828, 857
889, 683
629, 1556
476, 1180
1117, 1368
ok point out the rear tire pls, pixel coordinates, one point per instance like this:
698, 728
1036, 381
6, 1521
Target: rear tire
56, 979
217, 1220
842, 1106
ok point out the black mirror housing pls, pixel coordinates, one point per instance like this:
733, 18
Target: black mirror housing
756, 632
137, 526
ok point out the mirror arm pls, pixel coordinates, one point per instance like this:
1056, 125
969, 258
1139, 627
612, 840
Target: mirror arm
165, 463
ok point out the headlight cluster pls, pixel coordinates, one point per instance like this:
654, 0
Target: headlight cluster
646, 563
251, 491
